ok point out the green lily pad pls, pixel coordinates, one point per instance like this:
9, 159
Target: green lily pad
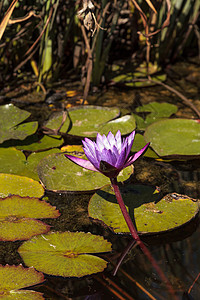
33, 161
19, 185
55, 121
66, 254
156, 111
128, 75
87, 121
174, 138
126, 124
59, 174
45, 143
10, 127
149, 214
139, 143
135, 83
13, 161
15, 278
18, 217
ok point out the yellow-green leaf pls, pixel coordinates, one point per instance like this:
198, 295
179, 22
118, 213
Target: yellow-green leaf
65, 253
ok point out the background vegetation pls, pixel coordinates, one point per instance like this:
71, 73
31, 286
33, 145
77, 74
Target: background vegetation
44, 41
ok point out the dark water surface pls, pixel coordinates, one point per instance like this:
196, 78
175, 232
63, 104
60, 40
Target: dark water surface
178, 253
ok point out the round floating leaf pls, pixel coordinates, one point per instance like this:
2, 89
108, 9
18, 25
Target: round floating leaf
13, 161
59, 174
33, 161
88, 120
10, 127
134, 83
65, 254
174, 137
56, 120
19, 185
126, 124
14, 278
17, 216
156, 111
129, 78
149, 214
47, 142
139, 143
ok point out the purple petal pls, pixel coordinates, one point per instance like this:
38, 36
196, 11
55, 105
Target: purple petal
121, 159
130, 140
89, 144
111, 139
99, 142
82, 162
118, 140
136, 156
92, 158
105, 142
107, 156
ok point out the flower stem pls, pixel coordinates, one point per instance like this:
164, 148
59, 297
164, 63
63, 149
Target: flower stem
134, 234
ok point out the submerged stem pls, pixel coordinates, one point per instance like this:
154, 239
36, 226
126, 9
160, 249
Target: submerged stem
136, 237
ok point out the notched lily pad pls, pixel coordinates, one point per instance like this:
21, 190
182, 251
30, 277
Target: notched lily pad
10, 123
175, 138
155, 111
87, 121
67, 254
19, 185
59, 174
55, 122
18, 217
15, 278
150, 214
13, 161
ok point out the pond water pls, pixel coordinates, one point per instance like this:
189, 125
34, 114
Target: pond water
177, 253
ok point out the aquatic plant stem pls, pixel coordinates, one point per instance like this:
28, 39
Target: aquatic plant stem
136, 237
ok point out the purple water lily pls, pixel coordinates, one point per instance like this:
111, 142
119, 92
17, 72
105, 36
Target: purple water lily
108, 155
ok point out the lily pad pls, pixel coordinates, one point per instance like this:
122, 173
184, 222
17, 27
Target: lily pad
13, 161
55, 122
15, 278
139, 143
59, 174
45, 143
128, 75
66, 254
149, 214
156, 111
175, 138
10, 127
126, 124
87, 121
19, 185
33, 161
18, 214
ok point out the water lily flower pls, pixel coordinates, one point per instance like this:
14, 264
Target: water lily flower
108, 155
